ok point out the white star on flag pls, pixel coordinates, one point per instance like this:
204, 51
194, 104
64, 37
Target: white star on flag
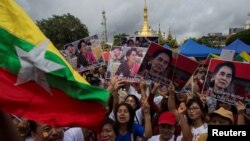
34, 65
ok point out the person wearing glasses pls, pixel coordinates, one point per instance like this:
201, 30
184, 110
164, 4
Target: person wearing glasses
192, 121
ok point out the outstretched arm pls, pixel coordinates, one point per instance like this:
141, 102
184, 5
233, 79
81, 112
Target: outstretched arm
185, 128
148, 126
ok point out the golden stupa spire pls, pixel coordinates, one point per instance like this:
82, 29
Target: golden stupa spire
145, 30
159, 33
170, 37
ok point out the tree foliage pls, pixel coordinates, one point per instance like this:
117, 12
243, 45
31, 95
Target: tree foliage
63, 29
118, 39
105, 46
244, 36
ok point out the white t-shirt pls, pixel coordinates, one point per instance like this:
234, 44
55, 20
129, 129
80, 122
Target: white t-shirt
73, 134
197, 132
157, 138
28, 139
132, 91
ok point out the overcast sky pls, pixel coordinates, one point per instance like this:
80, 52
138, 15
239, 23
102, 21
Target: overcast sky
186, 18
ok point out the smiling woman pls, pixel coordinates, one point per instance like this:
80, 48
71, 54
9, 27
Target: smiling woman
128, 67
108, 130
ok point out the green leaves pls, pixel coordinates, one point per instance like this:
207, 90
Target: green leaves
63, 29
243, 36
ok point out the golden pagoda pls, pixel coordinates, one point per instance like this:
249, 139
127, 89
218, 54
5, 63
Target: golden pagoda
170, 37
145, 30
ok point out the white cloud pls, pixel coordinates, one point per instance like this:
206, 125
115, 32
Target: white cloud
185, 17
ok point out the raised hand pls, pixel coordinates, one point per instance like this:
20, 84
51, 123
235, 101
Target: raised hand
118, 83
189, 96
241, 107
143, 85
182, 108
171, 88
145, 107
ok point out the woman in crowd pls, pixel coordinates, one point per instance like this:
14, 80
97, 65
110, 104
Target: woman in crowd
108, 130
194, 127
127, 130
71, 54
85, 57
129, 67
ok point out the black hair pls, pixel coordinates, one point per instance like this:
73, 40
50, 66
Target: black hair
130, 41
93, 80
119, 48
167, 52
227, 64
130, 51
110, 105
217, 69
112, 123
199, 102
131, 113
69, 45
136, 101
33, 126
147, 66
124, 40
164, 105
80, 44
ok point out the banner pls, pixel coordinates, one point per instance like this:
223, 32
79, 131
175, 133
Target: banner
162, 65
125, 62
227, 54
228, 81
89, 53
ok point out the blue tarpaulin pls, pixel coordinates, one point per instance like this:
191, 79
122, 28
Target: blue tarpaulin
194, 49
238, 46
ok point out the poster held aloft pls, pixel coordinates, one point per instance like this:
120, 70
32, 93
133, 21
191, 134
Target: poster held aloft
89, 53
228, 82
125, 62
227, 54
162, 65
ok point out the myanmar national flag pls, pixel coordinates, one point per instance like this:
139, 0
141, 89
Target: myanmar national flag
211, 56
36, 82
243, 57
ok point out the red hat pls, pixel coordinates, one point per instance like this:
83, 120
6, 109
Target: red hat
167, 118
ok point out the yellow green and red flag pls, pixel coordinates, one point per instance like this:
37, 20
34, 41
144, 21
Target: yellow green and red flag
211, 56
36, 82
243, 57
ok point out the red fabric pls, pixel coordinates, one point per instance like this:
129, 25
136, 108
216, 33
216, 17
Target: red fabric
106, 55
151, 102
186, 64
31, 101
241, 71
